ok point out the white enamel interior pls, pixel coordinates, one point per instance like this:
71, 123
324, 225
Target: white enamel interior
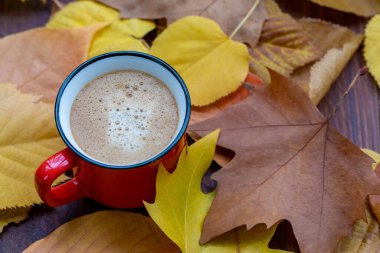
114, 63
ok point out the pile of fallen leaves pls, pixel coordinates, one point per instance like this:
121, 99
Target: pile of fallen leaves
255, 75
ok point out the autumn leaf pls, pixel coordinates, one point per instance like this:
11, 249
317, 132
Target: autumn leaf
365, 8
119, 35
14, 215
28, 136
211, 64
289, 164
212, 9
374, 155
106, 231
372, 47
365, 237
46, 59
180, 211
283, 46
205, 112
337, 44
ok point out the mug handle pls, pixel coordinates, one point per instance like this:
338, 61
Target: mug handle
49, 171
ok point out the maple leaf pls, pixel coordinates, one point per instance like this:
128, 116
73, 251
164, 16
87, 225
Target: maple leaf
365, 237
289, 164
28, 136
372, 47
283, 46
213, 9
106, 231
336, 44
180, 211
204, 56
119, 35
14, 215
46, 59
364, 8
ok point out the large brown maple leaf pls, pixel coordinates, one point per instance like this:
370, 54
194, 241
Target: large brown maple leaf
289, 164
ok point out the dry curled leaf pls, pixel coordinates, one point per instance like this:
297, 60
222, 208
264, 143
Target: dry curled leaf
337, 44
289, 164
213, 9
211, 64
119, 35
46, 59
27, 138
365, 237
180, 212
283, 46
14, 215
106, 231
372, 47
365, 8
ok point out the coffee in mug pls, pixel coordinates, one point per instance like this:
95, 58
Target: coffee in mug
124, 117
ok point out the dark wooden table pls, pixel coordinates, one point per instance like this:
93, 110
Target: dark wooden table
358, 117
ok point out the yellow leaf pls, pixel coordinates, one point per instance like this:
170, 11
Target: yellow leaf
374, 155
28, 136
365, 237
106, 231
121, 35
211, 64
12, 215
82, 13
180, 206
372, 47
364, 8
283, 46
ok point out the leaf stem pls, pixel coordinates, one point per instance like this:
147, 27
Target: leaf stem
249, 13
360, 72
58, 4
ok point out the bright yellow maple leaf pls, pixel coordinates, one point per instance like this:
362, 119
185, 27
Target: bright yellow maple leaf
106, 231
374, 155
12, 215
180, 206
211, 64
28, 136
119, 35
372, 47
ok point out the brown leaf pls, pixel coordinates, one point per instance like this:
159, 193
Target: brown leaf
364, 8
205, 112
106, 231
38, 60
374, 201
337, 44
283, 46
289, 164
214, 9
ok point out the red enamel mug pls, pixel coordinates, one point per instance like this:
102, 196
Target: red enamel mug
119, 186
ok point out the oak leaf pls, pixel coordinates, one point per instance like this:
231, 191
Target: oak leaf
28, 136
211, 64
365, 237
372, 47
38, 60
106, 231
364, 8
119, 35
180, 206
14, 215
213, 9
283, 46
289, 164
337, 44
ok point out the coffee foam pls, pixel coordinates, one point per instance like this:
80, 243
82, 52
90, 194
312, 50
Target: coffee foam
124, 117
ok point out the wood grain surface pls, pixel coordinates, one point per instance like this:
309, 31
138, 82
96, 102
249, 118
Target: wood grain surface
358, 118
